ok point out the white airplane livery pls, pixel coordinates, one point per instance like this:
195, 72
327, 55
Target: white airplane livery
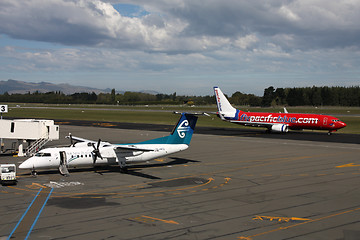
87, 153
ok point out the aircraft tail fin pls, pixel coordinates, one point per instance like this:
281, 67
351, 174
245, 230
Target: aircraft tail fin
224, 107
182, 132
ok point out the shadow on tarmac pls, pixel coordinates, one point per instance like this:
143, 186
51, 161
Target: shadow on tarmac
133, 169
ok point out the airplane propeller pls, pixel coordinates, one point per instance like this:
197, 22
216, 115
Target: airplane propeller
96, 152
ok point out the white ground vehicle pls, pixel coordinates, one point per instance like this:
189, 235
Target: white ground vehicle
8, 174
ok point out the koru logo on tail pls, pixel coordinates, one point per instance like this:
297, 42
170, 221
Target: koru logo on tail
183, 128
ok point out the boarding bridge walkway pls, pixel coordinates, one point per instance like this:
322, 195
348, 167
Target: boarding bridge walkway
36, 133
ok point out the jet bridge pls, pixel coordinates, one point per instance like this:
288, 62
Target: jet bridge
35, 133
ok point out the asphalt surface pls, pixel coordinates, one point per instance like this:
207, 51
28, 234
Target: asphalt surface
241, 132
230, 184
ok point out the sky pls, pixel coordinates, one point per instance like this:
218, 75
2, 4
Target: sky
182, 46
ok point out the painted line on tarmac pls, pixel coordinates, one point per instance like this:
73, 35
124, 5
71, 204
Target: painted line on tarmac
161, 220
37, 217
27, 218
299, 224
22, 217
148, 220
348, 165
280, 219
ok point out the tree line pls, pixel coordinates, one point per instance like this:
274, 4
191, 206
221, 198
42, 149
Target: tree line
312, 96
308, 96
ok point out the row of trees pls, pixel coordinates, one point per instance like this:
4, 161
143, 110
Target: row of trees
314, 96
92, 98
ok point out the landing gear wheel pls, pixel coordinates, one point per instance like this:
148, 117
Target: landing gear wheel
33, 173
124, 170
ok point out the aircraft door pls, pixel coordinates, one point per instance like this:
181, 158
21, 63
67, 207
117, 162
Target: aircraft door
63, 162
325, 121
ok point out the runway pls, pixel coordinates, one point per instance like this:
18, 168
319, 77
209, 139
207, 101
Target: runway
229, 186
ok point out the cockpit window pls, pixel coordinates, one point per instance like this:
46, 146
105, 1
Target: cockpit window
335, 120
42, 154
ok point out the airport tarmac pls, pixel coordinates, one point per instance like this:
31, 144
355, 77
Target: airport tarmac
222, 187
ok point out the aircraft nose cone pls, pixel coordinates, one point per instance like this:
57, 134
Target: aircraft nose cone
27, 164
342, 124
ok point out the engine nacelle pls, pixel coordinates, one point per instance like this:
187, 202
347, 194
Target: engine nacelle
279, 128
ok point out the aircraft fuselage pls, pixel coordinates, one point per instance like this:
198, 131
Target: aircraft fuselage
75, 157
294, 121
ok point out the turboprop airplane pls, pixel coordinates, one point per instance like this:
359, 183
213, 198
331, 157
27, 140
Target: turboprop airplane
275, 122
83, 153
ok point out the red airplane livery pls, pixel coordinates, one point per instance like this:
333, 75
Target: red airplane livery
276, 122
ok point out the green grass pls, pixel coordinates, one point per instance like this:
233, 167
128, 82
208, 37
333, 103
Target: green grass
209, 108
352, 125
158, 114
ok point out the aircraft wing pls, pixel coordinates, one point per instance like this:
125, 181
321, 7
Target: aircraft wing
277, 127
121, 148
214, 113
196, 113
123, 151
78, 139
254, 124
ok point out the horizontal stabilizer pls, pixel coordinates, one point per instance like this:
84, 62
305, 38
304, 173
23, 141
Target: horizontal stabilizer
193, 114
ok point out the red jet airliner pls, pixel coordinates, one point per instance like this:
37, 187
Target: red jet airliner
276, 122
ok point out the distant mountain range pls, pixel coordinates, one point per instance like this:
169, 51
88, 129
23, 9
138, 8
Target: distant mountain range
14, 86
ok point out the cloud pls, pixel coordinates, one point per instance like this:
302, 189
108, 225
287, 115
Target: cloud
246, 42
66, 22
312, 24
184, 26
206, 40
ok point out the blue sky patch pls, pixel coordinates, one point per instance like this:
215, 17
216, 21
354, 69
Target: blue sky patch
130, 10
